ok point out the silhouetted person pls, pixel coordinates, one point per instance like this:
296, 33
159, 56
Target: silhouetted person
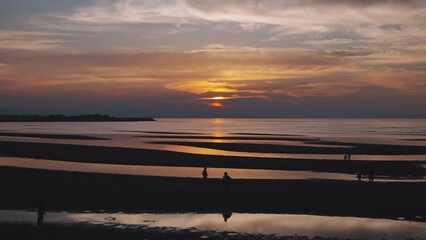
359, 176
371, 176
349, 156
205, 174
40, 212
345, 157
226, 182
226, 216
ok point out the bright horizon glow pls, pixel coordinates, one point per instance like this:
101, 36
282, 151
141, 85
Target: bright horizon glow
218, 98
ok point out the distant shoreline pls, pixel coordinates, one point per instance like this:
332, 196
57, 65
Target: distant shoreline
63, 118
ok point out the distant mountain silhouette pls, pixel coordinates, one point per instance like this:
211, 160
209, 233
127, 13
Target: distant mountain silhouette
63, 118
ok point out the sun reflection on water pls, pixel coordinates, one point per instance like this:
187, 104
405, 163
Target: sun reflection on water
218, 120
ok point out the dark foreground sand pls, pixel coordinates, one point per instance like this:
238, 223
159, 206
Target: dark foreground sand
71, 191
134, 156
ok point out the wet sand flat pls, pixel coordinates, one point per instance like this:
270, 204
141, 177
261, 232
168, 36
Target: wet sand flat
50, 136
180, 171
92, 231
295, 138
415, 139
68, 191
133, 156
161, 132
249, 225
353, 148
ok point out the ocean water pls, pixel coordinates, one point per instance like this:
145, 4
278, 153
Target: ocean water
410, 132
348, 128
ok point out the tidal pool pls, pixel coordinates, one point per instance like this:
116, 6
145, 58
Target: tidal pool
279, 224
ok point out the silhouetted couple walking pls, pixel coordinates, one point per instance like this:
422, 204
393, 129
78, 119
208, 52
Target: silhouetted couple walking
371, 175
226, 179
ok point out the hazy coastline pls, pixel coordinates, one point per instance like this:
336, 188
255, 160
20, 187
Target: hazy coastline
73, 118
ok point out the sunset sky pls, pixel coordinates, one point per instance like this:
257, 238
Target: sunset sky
288, 58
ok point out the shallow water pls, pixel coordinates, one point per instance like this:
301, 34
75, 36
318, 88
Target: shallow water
127, 141
192, 172
140, 134
167, 171
280, 224
124, 134
350, 128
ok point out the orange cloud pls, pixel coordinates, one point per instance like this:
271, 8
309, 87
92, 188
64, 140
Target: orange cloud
204, 75
199, 87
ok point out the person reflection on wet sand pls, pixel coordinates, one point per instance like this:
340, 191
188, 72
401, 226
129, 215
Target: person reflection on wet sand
226, 216
225, 235
359, 176
226, 182
40, 213
205, 174
371, 176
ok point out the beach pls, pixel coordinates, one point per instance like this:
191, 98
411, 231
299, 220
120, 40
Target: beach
112, 193
73, 191
136, 156
125, 171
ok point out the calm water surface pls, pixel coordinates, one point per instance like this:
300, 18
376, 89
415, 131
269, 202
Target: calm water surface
280, 224
170, 171
140, 134
349, 128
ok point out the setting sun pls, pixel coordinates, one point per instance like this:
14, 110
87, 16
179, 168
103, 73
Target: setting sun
216, 104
